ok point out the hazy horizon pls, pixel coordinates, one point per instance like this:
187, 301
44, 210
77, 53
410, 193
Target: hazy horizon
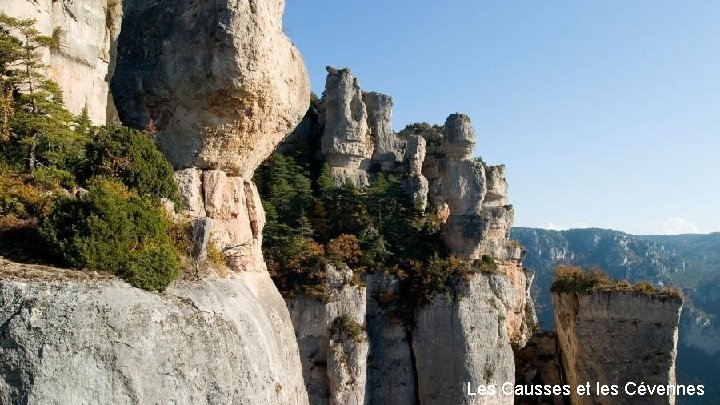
605, 114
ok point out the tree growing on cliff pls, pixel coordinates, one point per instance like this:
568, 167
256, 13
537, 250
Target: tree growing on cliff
35, 123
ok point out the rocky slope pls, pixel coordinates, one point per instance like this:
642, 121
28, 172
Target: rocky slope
686, 261
615, 338
223, 85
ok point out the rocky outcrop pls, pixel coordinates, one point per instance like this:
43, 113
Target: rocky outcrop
223, 86
469, 340
387, 150
435, 163
476, 194
616, 338
83, 61
334, 362
72, 338
346, 143
220, 80
226, 215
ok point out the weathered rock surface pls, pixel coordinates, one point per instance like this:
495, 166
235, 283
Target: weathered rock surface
615, 338
220, 80
84, 60
387, 148
346, 142
104, 342
468, 340
334, 367
226, 214
390, 368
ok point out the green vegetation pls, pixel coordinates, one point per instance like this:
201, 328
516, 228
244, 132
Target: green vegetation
46, 154
573, 279
344, 327
311, 221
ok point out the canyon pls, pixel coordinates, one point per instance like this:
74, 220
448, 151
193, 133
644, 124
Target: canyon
225, 88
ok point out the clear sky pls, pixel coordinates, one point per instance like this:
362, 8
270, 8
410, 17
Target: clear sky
606, 113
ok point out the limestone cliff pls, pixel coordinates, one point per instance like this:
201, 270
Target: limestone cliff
68, 337
224, 86
454, 339
83, 61
616, 338
334, 363
220, 80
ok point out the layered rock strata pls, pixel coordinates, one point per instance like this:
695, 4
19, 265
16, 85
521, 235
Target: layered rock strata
83, 60
617, 338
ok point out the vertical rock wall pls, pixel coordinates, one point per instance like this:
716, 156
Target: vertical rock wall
334, 366
616, 338
84, 60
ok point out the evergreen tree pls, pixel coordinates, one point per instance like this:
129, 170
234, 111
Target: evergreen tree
39, 129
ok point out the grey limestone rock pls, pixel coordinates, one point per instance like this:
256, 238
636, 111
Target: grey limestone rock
387, 148
102, 341
220, 80
84, 60
334, 367
466, 340
616, 338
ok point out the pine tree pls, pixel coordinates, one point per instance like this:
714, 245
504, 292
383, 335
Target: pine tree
39, 129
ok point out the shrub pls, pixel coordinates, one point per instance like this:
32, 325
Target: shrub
21, 199
129, 156
344, 327
345, 249
570, 278
113, 229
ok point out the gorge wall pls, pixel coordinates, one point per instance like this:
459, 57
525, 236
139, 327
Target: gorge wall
458, 339
617, 338
223, 85
83, 60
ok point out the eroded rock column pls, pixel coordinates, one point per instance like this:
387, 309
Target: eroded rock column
617, 338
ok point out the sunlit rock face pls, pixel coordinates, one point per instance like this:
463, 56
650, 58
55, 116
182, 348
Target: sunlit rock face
220, 80
83, 61
616, 338
101, 341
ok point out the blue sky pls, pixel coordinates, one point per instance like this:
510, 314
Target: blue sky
606, 113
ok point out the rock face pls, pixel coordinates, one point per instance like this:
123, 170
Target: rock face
346, 143
104, 342
224, 86
391, 373
220, 80
226, 215
84, 60
435, 163
334, 365
453, 339
387, 148
615, 338
468, 339
476, 194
